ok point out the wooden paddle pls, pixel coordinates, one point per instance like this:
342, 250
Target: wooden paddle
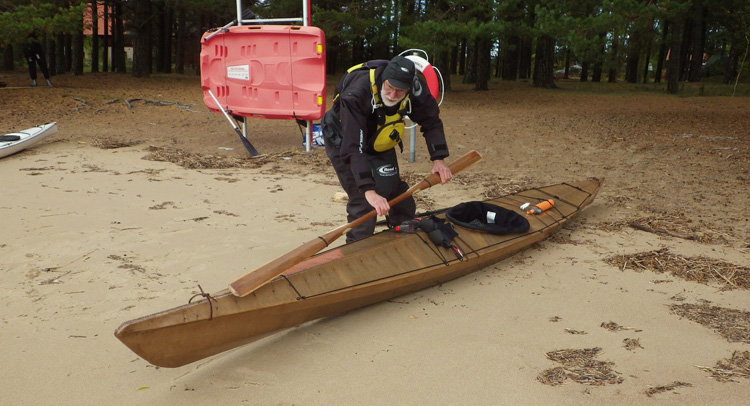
248, 283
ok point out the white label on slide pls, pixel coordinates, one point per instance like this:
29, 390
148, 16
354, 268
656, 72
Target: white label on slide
241, 72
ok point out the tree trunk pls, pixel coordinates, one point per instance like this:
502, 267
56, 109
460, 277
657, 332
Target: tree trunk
168, 29
358, 52
453, 67
68, 53
631, 68
696, 57
484, 64
645, 65
524, 66
78, 55
60, 54
498, 65
51, 49
674, 62
179, 63
160, 35
116, 26
470, 68
119, 63
734, 52
633, 57
142, 40
510, 63
544, 64
164, 26
105, 39
8, 58
332, 59
599, 62
596, 77
462, 57
94, 36
662, 53
613, 61
585, 71
687, 28
443, 63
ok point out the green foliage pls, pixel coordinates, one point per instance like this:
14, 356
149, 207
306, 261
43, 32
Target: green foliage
595, 31
278, 8
38, 18
432, 36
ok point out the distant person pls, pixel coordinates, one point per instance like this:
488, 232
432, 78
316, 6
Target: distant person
365, 126
34, 55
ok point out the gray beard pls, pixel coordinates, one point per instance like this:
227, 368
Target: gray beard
385, 101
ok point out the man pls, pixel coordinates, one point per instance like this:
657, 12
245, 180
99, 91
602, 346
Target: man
34, 55
365, 126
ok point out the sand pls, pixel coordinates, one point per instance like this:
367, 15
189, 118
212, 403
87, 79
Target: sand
93, 237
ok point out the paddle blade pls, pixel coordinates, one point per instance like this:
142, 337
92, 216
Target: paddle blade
246, 284
249, 147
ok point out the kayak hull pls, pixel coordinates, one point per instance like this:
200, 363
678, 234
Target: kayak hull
26, 138
342, 279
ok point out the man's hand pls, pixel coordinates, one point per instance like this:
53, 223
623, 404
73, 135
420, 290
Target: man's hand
379, 203
439, 167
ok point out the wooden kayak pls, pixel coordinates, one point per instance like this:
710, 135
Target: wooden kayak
342, 279
16, 142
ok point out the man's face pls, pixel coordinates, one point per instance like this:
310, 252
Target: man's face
391, 95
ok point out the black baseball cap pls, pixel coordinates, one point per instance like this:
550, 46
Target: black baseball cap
399, 72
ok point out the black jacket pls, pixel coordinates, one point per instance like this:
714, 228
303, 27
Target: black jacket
359, 122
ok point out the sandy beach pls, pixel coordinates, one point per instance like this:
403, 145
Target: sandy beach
127, 210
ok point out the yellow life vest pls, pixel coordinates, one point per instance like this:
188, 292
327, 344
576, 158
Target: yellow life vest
390, 128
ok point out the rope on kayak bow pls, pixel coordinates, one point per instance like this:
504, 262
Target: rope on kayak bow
208, 297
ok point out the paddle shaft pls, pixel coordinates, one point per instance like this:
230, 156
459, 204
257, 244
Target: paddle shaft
248, 283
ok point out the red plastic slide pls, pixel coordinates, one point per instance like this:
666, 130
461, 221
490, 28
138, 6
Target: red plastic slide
266, 71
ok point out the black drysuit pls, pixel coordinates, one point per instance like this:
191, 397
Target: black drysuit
356, 163
34, 55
